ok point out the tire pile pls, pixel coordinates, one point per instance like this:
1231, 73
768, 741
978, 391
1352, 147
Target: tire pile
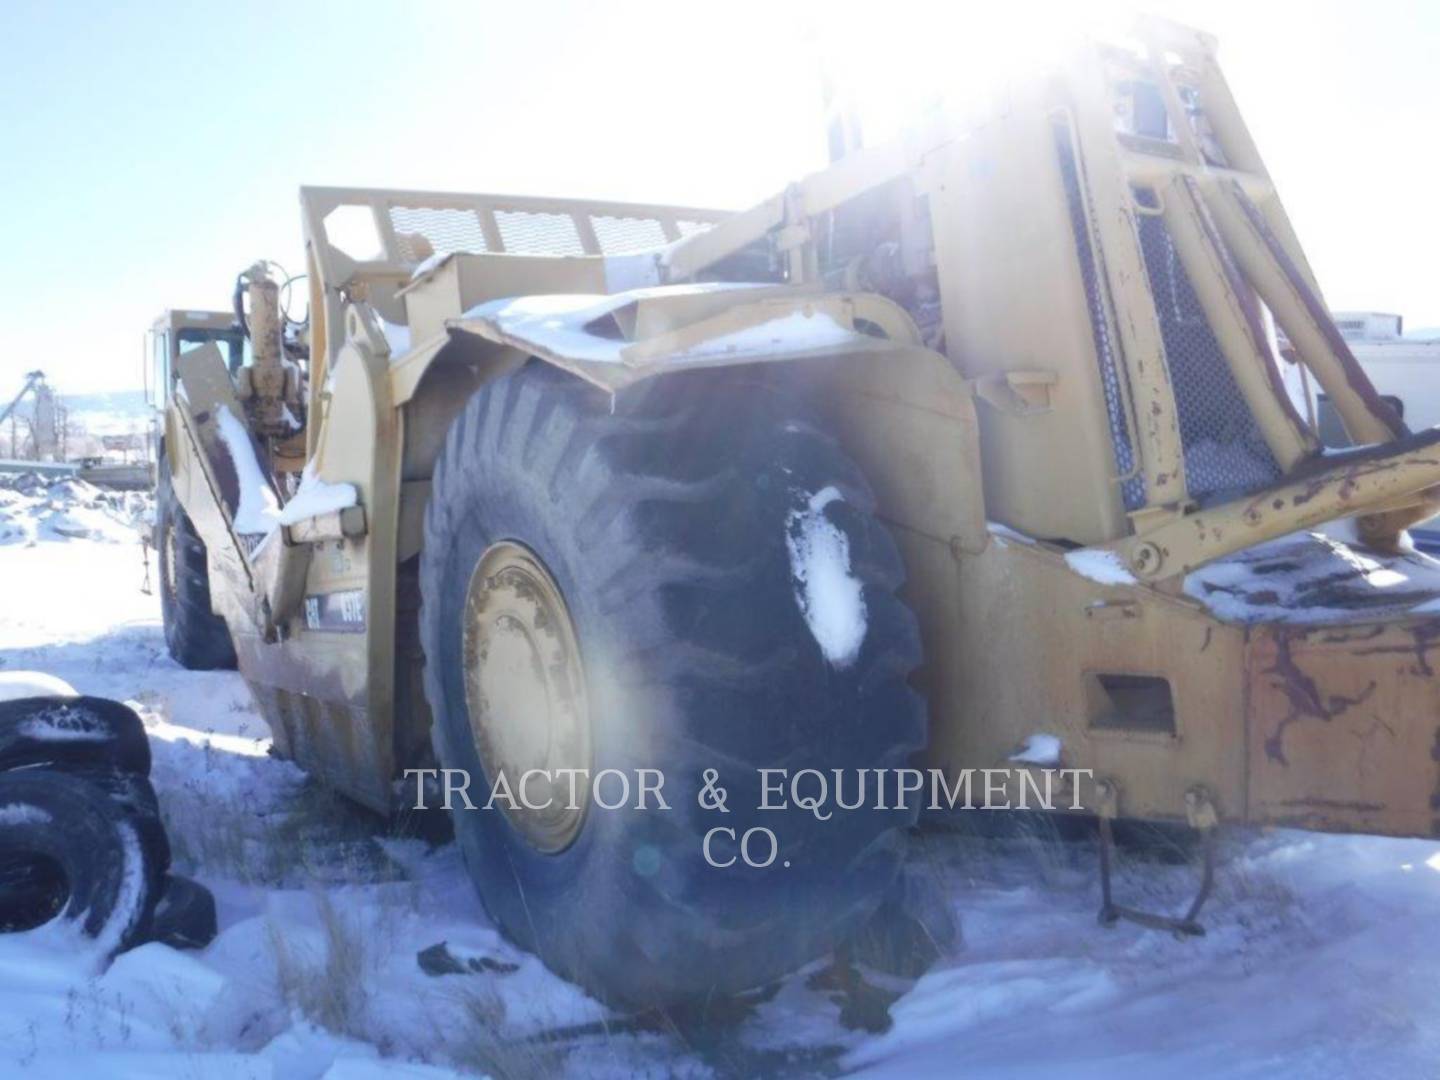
81, 840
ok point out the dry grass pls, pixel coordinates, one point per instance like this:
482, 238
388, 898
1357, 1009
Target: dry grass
316, 836
330, 991
478, 1043
1001, 847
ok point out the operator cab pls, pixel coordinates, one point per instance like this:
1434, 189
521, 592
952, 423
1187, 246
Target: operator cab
177, 332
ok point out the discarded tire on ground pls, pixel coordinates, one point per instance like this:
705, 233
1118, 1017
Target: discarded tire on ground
134, 801
197, 638
72, 831
67, 733
654, 536
185, 914
32, 891
81, 837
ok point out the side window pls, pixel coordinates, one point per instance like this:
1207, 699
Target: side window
160, 367
234, 351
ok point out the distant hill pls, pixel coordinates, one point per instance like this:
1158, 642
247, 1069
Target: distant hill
118, 412
110, 413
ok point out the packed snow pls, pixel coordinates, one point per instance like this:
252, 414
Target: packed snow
24, 684
1305, 577
1320, 957
128, 909
34, 509
829, 595
63, 725
1039, 749
429, 264
20, 814
260, 512
1314, 577
1002, 535
567, 323
315, 497
259, 508
797, 330
576, 327
1100, 566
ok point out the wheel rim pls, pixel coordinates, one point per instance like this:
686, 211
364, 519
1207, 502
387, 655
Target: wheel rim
525, 693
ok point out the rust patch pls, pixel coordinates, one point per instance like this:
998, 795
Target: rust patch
1304, 698
1336, 804
1426, 636
1345, 637
1276, 566
1343, 476
1364, 738
1435, 793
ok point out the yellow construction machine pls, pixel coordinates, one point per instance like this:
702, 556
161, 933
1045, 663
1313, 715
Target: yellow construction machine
975, 437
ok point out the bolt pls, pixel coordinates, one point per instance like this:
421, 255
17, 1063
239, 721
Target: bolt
1145, 559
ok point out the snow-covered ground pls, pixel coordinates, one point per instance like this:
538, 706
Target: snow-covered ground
1321, 958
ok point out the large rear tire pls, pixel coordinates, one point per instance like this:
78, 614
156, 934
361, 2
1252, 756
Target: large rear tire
197, 638
660, 529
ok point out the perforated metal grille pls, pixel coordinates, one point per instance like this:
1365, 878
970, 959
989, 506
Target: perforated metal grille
524, 232
528, 232
1225, 454
1132, 489
447, 230
621, 235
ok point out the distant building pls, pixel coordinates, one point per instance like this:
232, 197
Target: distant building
1406, 371
1357, 326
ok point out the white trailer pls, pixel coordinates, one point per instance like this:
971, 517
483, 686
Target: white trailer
1406, 372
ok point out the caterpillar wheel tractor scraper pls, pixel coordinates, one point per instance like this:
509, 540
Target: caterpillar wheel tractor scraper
977, 435
194, 634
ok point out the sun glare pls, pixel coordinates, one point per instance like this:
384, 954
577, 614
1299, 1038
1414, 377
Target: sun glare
959, 58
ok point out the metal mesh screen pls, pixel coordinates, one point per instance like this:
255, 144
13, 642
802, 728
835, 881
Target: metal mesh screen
1132, 489
447, 230
524, 232
528, 232
1225, 454
622, 235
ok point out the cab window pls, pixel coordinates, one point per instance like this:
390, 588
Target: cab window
233, 347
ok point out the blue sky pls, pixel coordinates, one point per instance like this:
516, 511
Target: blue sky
152, 150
